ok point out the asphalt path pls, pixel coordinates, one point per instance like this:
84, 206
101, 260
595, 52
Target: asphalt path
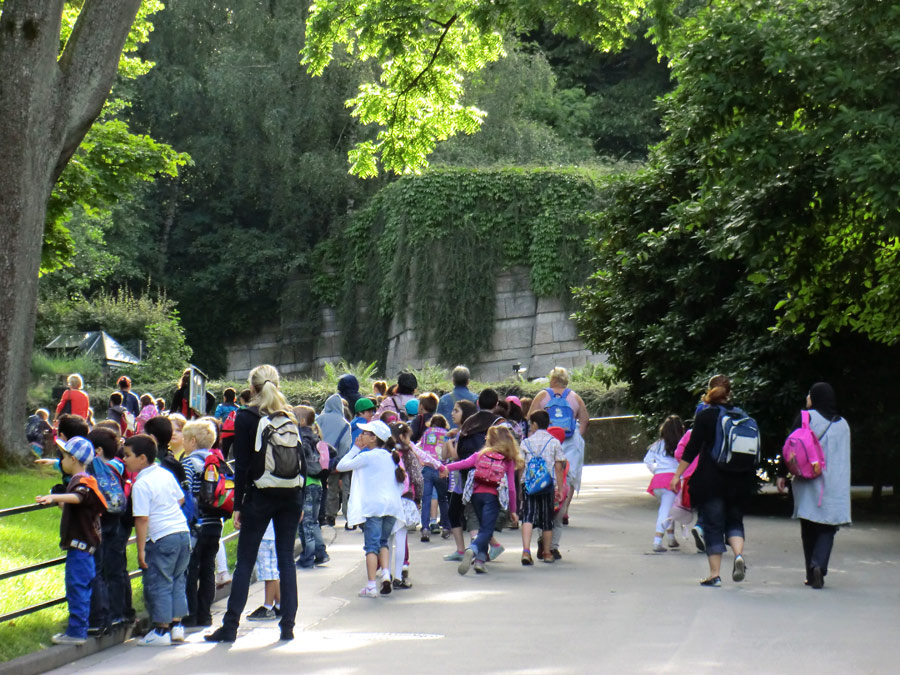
609, 606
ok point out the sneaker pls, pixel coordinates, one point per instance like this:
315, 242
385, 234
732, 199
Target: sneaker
97, 631
386, 585
446, 534
715, 582
739, 571
349, 528
659, 548
478, 565
323, 560
435, 528
401, 583
466, 561
425, 536
220, 634
261, 614
222, 578
495, 551
176, 634
526, 558
155, 639
454, 557
816, 578
673, 543
367, 592
64, 639
556, 554
286, 634
697, 533
548, 557
329, 520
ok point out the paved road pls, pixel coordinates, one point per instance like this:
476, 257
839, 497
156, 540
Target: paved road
610, 606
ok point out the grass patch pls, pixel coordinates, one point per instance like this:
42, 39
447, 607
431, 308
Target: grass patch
31, 538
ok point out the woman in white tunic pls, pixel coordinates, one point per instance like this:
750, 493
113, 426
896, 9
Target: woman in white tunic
822, 504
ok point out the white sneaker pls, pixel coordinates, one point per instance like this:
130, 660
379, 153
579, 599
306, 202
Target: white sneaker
177, 633
222, 578
154, 639
63, 639
366, 592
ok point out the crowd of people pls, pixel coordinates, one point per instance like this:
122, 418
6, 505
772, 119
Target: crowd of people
393, 461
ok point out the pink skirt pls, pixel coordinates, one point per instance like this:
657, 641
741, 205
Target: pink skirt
660, 481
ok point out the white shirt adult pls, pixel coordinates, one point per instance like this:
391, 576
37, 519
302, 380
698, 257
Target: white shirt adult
156, 495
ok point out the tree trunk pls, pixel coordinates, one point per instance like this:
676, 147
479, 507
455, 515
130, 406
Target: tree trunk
47, 104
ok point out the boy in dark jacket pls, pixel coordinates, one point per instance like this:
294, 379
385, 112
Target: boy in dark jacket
79, 535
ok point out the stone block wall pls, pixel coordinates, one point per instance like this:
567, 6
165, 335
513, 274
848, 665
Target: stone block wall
534, 332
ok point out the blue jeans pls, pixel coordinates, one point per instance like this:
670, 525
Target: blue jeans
433, 482
80, 572
166, 576
722, 519
377, 533
283, 509
310, 531
487, 508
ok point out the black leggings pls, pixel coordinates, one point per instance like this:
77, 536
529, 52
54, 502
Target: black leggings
818, 540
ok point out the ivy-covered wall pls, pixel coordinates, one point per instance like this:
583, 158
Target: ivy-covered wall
428, 250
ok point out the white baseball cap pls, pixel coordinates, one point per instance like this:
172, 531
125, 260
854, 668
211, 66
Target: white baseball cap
377, 427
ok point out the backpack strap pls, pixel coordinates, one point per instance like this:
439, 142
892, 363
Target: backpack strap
826, 429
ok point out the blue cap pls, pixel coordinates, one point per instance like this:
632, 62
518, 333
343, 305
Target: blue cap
412, 407
81, 449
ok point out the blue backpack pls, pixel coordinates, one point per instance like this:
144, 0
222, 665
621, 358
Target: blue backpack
537, 479
110, 485
561, 413
737, 446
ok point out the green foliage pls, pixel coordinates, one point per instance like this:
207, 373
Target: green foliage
761, 209
425, 49
363, 372
431, 247
57, 368
111, 160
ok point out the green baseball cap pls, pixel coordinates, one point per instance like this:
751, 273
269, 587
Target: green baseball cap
364, 404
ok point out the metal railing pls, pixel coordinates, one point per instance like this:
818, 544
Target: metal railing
28, 569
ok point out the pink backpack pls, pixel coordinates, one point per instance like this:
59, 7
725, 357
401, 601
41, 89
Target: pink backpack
490, 468
802, 451
433, 440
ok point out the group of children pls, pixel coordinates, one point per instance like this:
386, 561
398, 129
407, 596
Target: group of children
403, 463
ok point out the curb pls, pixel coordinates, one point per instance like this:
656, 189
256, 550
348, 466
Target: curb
57, 656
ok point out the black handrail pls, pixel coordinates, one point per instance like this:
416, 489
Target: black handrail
16, 510
57, 601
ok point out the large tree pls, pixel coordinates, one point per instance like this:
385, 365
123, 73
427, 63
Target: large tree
48, 101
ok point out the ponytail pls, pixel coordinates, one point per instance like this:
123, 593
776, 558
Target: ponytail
399, 473
266, 396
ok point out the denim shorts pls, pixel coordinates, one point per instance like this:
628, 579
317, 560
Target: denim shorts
377, 532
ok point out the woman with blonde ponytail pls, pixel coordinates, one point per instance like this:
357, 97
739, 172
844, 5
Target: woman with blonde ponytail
254, 507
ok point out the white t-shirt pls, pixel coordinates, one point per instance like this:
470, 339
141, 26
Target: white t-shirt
155, 494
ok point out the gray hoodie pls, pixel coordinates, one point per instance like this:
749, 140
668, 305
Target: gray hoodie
335, 429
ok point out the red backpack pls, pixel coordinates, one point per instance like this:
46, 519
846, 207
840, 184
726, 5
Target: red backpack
228, 425
490, 468
217, 487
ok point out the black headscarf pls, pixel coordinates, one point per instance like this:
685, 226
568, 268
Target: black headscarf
348, 388
823, 400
